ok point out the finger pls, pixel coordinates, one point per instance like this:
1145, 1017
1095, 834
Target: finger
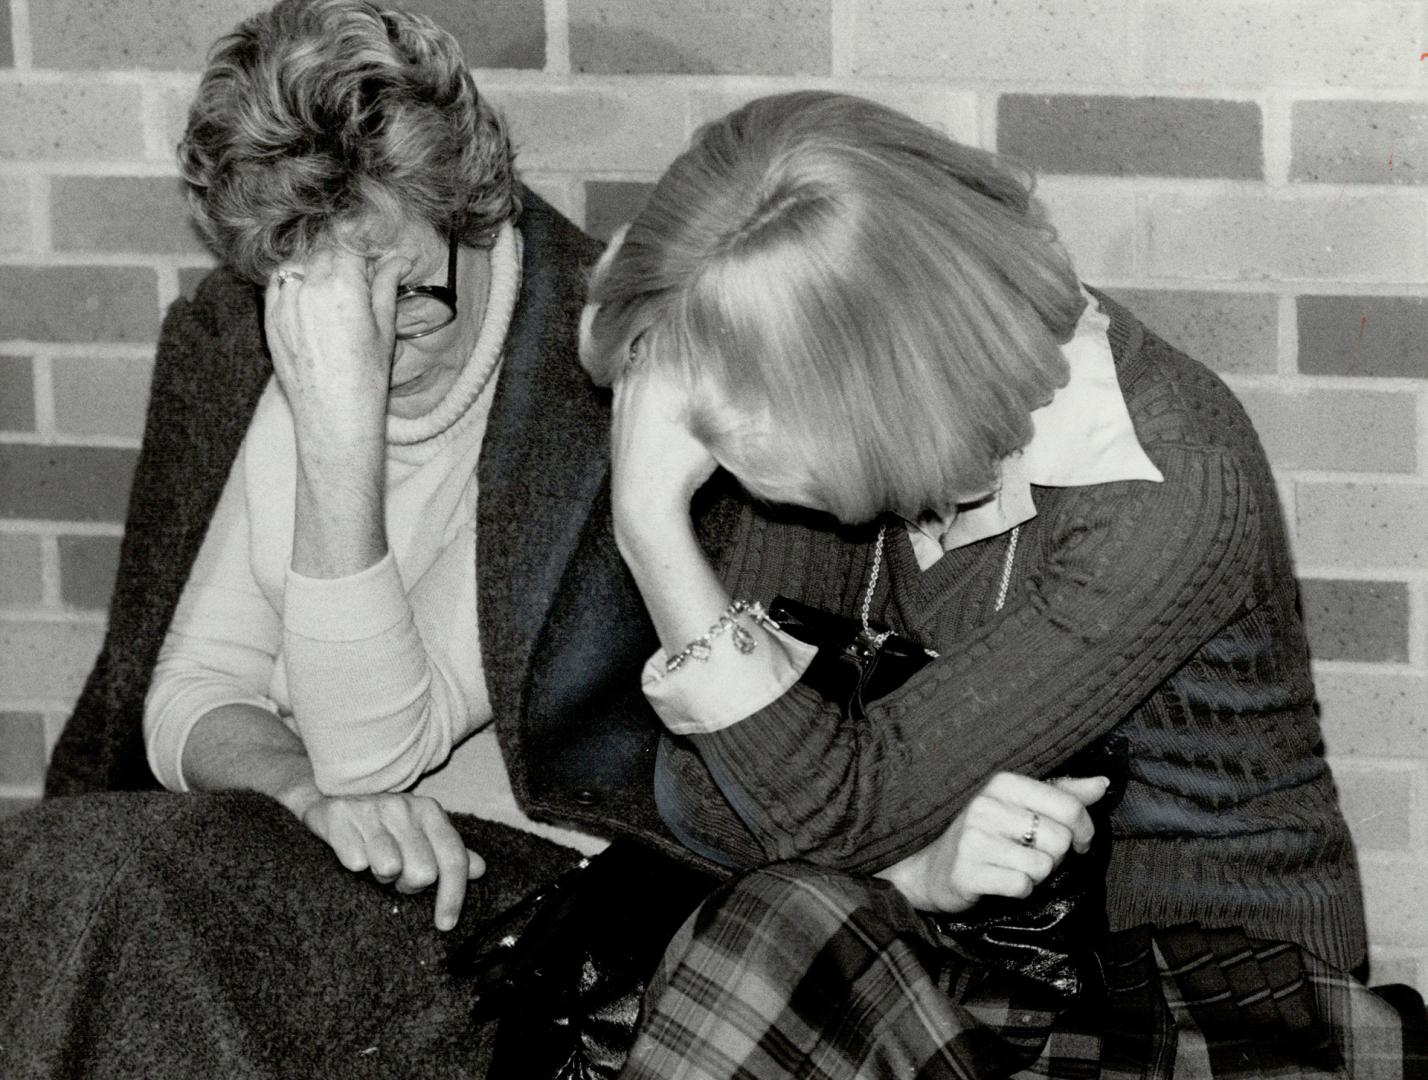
1020, 824
991, 880
475, 865
1047, 800
1087, 790
384, 855
384, 292
420, 865
451, 859
1013, 855
347, 844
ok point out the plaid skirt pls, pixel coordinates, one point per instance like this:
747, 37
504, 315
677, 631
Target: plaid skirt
797, 971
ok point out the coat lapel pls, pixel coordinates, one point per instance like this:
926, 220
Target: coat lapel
545, 455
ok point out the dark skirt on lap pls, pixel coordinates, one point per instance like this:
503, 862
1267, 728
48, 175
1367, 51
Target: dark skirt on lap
212, 935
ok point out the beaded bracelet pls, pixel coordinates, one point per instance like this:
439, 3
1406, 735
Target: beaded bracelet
702, 646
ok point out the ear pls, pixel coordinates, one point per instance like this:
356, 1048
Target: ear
587, 314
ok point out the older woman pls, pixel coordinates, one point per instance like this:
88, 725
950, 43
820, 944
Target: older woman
322, 651
365, 531
855, 316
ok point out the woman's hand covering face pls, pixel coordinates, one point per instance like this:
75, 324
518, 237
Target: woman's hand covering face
330, 329
657, 462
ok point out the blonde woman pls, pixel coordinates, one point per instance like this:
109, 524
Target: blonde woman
873, 329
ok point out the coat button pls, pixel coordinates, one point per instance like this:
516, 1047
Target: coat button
586, 796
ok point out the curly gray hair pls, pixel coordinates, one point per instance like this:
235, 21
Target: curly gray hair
319, 115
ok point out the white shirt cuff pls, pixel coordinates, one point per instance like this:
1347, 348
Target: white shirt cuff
705, 696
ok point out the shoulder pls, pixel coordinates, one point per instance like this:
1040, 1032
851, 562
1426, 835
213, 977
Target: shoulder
554, 244
1178, 405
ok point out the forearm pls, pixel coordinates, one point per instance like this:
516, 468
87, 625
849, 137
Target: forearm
338, 526
380, 690
1094, 630
681, 591
246, 748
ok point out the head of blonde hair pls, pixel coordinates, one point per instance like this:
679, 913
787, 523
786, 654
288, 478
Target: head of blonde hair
321, 120
849, 293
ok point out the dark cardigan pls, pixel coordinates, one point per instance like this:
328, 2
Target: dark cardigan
1166, 610
563, 630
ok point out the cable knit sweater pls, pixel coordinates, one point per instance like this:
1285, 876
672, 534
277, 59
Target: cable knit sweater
1167, 610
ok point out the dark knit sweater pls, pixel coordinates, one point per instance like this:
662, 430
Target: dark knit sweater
1167, 610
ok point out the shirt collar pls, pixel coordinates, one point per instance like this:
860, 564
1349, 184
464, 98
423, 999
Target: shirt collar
1083, 436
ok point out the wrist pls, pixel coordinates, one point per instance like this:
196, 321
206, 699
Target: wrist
299, 796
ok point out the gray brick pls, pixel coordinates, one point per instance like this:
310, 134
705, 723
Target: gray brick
65, 483
636, 125
22, 749
493, 33
101, 34
1132, 136
1259, 234
100, 395
79, 303
1315, 43
87, 566
21, 567
1231, 332
993, 42
16, 229
122, 213
1360, 142
1359, 525
1377, 804
17, 393
47, 660
610, 204
60, 121
1364, 335
1317, 427
1373, 711
1356, 620
701, 37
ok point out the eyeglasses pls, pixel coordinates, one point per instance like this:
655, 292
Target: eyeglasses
425, 309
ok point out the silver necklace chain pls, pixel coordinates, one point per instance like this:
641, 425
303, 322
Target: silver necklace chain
1002, 589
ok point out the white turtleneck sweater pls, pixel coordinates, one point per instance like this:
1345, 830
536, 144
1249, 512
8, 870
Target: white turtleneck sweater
379, 673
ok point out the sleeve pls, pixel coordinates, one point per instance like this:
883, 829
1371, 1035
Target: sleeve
1137, 577
222, 644
375, 707
706, 695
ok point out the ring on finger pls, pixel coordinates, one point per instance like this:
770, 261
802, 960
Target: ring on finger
282, 277
1028, 838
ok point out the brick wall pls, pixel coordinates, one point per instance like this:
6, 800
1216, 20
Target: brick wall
1252, 176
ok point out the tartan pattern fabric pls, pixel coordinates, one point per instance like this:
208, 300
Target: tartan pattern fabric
797, 971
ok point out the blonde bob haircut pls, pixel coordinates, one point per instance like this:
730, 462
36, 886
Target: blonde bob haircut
339, 119
849, 293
